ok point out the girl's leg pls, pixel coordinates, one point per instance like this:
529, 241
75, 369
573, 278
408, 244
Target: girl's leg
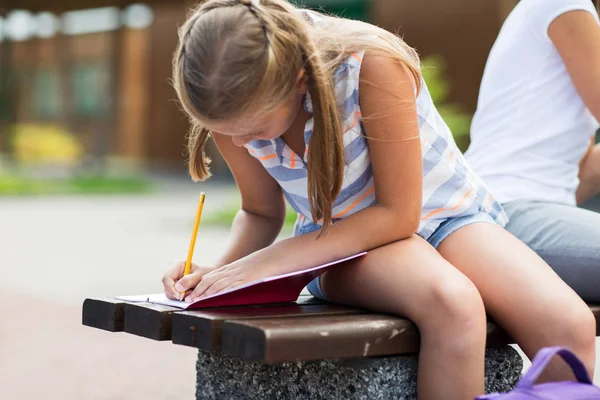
522, 293
410, 278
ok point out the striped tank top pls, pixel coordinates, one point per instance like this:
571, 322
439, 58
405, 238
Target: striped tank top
450, 188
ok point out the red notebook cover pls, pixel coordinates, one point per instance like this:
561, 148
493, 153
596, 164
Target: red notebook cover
275, 289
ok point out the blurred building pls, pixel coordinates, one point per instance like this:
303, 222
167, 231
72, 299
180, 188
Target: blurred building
101, 68
102, 73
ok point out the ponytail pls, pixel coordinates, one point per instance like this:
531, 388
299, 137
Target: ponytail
198, 162
326, 148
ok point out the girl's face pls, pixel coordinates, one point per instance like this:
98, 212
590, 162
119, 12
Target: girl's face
262, 126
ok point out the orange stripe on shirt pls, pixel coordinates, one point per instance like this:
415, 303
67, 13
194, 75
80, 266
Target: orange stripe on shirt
302, 217
439, 210
488, 201
355, 203
357, 57
293, 162
356, 115
268, 157
450, 157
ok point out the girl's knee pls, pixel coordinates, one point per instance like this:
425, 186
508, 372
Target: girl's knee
579, 334
574, 326
455, 305
577, 328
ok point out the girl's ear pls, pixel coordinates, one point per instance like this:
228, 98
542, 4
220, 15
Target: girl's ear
302, 82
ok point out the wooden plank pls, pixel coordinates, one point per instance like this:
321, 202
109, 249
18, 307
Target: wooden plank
106, 314
313, 338
152, 321
307, 330
203, 328
285, 339
109, 314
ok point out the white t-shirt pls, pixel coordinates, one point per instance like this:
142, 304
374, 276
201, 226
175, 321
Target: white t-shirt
531, 128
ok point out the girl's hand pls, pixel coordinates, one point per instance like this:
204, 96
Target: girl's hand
174, 282
228, 277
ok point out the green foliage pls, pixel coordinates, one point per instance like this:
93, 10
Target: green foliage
224, 216
453, 114
47, 159
13, 185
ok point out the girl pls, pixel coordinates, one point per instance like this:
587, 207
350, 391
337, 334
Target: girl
533, 133
333, 115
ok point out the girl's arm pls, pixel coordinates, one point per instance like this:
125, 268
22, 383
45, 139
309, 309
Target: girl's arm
390, 121
255, 226
260, 218
589, 174
576, 36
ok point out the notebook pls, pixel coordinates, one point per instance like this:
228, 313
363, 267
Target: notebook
274, 289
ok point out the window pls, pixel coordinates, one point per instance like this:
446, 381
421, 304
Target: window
91, 89
46, 93
7, 104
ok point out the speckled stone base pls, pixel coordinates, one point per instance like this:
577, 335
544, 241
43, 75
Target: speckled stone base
226, 378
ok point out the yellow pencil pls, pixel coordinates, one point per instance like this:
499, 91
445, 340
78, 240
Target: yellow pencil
188, 262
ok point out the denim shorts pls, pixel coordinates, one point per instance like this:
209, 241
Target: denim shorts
445, 229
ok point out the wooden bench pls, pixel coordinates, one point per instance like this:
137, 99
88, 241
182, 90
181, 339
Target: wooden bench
261, 342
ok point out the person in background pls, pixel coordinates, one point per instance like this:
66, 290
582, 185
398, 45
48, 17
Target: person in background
532, 137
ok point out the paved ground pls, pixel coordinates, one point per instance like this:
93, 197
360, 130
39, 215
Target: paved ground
45, 353
56, 251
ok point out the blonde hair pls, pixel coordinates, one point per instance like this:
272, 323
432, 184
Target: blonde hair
236, 54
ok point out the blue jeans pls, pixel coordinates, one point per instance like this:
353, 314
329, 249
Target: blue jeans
442, 232
566, 237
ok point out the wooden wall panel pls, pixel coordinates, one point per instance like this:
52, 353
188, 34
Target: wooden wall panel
168, 125
462, 31
134, 92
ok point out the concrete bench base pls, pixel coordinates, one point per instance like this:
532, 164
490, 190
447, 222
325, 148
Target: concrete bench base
223, 378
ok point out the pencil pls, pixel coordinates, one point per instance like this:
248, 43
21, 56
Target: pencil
188, 262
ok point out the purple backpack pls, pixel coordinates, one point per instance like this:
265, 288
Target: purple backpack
526, 389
